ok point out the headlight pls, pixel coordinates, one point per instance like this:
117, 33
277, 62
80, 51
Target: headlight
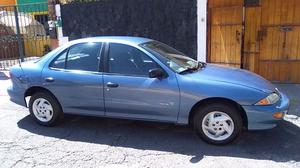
271, 99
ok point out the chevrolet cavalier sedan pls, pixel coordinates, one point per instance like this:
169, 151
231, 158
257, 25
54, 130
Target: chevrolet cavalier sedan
143, 79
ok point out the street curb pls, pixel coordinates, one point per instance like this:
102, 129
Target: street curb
293, 119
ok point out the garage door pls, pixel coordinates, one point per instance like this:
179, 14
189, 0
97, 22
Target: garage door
225, 32
279, 59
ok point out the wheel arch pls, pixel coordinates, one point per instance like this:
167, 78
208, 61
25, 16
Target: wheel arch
208, 101
34, 89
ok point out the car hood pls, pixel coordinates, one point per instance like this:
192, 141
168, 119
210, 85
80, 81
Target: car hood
232, 75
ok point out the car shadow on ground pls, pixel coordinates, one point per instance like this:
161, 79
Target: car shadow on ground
280, 144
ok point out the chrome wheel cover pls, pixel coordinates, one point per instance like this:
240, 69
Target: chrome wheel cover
42, 110
217, 125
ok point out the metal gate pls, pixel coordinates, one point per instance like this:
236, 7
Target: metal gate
24, 33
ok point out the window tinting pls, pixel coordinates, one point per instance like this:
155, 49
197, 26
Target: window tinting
124, 59
84, 57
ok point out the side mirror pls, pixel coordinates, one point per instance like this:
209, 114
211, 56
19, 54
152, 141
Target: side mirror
156, 73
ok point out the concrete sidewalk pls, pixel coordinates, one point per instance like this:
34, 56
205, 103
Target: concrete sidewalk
293, 93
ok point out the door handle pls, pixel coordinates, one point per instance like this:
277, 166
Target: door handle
112, 85
49, 79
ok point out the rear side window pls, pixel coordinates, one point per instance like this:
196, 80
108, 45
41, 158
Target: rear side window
84, 56
60, 61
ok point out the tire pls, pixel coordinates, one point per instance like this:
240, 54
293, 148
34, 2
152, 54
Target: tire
45, 109
217, 123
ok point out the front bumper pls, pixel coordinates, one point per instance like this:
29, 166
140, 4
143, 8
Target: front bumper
16, 95
261, 117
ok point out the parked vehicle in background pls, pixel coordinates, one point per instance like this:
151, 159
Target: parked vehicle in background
143, 79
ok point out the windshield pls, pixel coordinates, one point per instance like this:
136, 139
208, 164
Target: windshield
174, 59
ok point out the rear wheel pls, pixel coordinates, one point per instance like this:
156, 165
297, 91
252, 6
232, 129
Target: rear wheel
218, 123
45, 109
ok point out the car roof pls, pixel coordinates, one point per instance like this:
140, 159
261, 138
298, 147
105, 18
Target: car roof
117, 39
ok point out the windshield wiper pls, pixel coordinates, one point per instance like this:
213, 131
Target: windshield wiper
192, 69
189, 69
202, 64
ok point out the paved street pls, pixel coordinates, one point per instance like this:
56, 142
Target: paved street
99, 142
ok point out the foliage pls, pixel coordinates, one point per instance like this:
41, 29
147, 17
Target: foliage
47, 49
76, 1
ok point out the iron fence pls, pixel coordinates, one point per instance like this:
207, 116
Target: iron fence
24, 33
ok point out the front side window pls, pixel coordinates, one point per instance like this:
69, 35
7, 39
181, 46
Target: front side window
128, 60
174, 59
84, 56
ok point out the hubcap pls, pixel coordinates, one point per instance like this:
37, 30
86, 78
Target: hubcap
42, 109
217, 125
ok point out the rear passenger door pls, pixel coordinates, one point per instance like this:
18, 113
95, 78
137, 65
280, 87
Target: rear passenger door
74, 77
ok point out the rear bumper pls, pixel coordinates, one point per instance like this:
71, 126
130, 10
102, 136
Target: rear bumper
16, 96
261, 117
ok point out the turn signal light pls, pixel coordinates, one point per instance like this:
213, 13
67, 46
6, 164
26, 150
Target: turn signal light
263, 102
271, 99
278, 115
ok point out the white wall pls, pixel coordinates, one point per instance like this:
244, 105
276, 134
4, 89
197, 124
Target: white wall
201, 30
61, 39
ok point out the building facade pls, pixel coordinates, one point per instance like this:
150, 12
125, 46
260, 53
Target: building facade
32, 25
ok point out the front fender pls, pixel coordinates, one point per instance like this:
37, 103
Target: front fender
191, 92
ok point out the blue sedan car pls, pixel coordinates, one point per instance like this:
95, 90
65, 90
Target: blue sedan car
143, 79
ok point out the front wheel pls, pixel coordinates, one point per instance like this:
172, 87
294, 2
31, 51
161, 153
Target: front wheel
218, 123
45, 109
